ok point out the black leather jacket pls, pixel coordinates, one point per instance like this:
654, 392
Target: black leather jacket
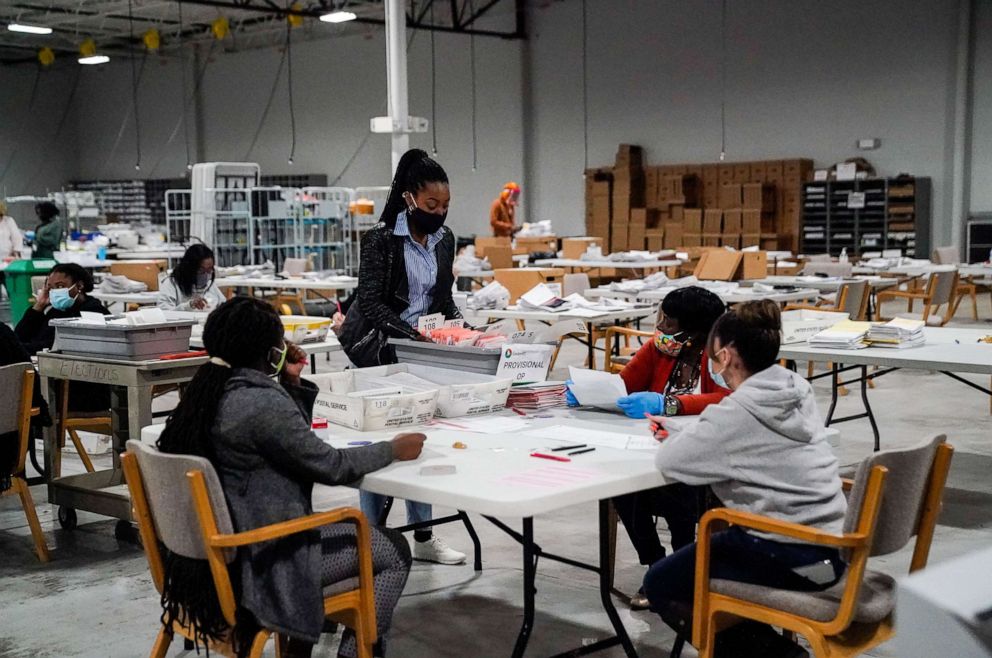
382, 295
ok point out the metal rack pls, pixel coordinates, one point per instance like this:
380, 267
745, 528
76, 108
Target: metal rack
275, 225
360, 223
324, 216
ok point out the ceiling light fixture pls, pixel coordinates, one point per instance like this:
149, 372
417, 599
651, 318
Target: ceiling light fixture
94, 59
29, 29
339, 16
87, 53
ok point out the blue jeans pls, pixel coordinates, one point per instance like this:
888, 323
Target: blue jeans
372, 505
737, 555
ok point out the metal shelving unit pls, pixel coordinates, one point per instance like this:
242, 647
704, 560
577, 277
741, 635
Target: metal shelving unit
871, 214
275, 225
360, 223
324, 214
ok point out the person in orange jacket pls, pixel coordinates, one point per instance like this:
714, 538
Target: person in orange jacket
501, 215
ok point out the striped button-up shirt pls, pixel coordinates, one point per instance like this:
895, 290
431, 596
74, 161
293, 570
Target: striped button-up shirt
421, 270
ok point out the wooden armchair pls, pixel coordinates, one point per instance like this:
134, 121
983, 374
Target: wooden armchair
71, 423
16, 391
966, 285
854, 615
940, 290
616, 363
191, 518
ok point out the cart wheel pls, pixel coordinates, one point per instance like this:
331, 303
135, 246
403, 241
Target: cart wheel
126, 532
67, 518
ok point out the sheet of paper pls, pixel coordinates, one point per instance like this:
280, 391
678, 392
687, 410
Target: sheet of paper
538, 295
599, 438
430, 322
595, 388
146, 316
481, 424
89, 317
552, 476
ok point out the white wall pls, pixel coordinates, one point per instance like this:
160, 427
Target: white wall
339, 85
981, 124
38, 161
804, 78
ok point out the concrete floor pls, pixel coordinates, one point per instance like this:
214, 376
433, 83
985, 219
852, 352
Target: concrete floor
96, 598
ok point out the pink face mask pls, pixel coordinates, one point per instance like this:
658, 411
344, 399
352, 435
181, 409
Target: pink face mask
668, 343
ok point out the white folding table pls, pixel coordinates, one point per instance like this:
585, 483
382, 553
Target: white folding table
579, 264
947, 350
139, 298
291, 283
496, 477
737, 296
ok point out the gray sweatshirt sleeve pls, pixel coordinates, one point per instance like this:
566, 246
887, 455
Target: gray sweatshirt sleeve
697, 455
170, 298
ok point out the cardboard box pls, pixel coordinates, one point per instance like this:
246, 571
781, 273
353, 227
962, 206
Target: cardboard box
730, 240
519, 280
673, 235
723, 265
799, 326
725, 174
742, 172
639, 216
654, 240
730, 196
712, 221
601, 208
536, 245
750, 221
711, 240
773, 171
732, 221
618, 236
483, 242
339, 401
575, 247
758, 172
630, 155
691, 240
750, 240
635, 237
677, 213
758, 196
692, 220
500, 257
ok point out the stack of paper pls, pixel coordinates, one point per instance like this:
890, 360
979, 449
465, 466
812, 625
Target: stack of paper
595, 388
532, 397
898, 333
846, 335
543, 298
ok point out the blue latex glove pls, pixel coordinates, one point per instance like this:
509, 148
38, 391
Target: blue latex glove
570, 398
645, 402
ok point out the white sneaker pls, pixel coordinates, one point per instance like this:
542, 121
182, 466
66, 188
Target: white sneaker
435, 550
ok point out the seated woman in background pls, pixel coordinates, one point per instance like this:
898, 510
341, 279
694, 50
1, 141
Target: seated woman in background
256, 432
669, 375
64, 296
191, 285
763, 449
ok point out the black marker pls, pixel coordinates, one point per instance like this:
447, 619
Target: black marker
560, 448
579, 452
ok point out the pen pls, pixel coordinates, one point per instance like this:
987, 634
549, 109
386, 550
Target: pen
359, 443
557, 458
579, 452
560, 448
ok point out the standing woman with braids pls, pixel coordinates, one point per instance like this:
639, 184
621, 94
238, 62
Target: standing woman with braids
255, 430
406, 271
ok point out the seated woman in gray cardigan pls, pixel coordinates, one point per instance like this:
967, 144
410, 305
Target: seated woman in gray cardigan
256, 432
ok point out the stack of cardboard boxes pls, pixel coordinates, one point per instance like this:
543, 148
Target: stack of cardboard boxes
734, 204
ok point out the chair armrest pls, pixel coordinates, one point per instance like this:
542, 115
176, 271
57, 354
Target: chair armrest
286, 528
901, 294
627, 331
784, 528
803, 307
846, 484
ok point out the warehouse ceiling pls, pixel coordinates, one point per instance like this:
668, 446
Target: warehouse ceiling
117, 27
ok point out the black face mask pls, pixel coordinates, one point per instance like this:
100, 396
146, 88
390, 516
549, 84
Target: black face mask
423, 222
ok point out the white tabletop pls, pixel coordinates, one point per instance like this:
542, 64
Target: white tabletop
495, 474
89, 262
598, 264
825, 284
330, 283
585, 315
141, 298
330, 344
947, 349
139, 253
735, 296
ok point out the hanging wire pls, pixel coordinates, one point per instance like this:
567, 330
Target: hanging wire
182, 67
585, 87
134, 85
268, 105
723, 81
197, 80
45, 162
433, 87
289, 81
124, 121
475, 139
27, 117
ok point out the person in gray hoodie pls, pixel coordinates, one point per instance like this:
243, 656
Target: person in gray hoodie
256, 432
763, 450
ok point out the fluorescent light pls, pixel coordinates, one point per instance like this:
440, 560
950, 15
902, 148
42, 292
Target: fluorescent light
339, 17
29, 29
94, 59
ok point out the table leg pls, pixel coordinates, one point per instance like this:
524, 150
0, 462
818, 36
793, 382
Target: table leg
52, 456
606, 577
591, 346
864, 399
476, 544
530, 571
834, 384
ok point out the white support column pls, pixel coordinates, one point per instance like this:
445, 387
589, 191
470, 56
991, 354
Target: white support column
398, 101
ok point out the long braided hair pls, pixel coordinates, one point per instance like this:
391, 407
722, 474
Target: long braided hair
241, 332
414, 171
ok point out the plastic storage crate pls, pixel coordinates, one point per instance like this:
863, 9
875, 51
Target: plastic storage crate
119, 341
450, 357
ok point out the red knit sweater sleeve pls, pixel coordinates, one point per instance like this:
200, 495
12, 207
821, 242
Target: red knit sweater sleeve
639, 373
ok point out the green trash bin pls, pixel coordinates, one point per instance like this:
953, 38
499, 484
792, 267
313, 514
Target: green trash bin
18, 275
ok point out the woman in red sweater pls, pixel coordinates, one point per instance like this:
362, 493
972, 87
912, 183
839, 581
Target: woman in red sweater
669, 376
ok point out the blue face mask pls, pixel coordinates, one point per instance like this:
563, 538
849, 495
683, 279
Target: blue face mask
61, 299
717, 377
